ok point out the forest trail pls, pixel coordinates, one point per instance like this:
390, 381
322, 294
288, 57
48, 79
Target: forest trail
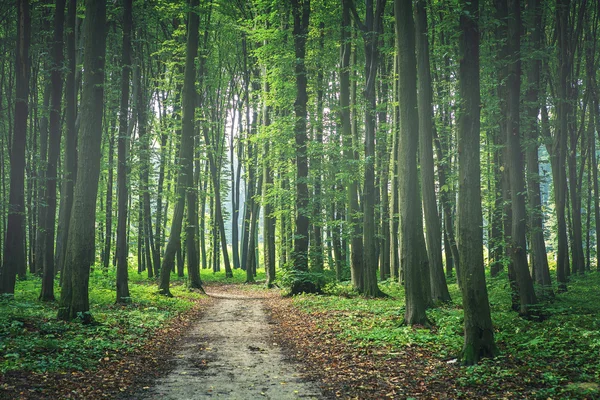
229, 354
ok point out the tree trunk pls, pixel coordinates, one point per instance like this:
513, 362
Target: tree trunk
122, 150
517, 244
301, 12
478, 330
559, 151
353, 213
74, 301
70, 151
414, 260
186, 151
14, 246
439, 289
47, 293
269, 220
538, 245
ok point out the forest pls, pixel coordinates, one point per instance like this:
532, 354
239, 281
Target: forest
393, 199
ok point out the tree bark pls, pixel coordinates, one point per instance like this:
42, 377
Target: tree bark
47, 293
74, 301
186, 151
14, 246
538, 245
301, 13
353, 213
414, 260
517, 244
70, 152
478, 329
559, 151
439, 288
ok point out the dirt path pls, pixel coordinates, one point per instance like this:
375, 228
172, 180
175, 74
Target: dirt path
230, 354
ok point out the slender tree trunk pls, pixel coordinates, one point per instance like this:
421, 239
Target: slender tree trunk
560, 144
517, 245
439, 289
74, 299
70, 151
414, 260
42, 206
595, 179
47, 293
301, 12
186, 151
14, 246
538, 245
478, 330
193, 262
353, 213
269, 220
122, 150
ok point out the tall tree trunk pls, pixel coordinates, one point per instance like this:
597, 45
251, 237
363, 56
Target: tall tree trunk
559, 151
186, 151
14, 246
414, 260
47, 293
301, 12
235, 190
70, 152
40, 234
193, 262
109, 195
353, 212
317, 164
538, 245
371, 29
122, 150
517, 245
439, 289
478, 329
269, 220
74, 299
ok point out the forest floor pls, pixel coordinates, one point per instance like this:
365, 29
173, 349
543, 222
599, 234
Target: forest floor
230, 353
245, 342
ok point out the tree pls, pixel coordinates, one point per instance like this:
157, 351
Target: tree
414, 261
353, 214
517, 241
186, 149
478, 330
14, 246
122, 150
70, 151
559, 147
74, 300
301, 13
540, 268
439, 288
370, 31
48, 226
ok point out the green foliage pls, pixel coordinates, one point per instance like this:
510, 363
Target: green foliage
558, 355
31, 338
309, 280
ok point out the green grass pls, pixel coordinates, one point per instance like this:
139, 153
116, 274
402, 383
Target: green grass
31, 338
552, 355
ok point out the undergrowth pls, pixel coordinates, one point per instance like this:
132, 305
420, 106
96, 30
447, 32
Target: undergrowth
32, 339
556, 357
